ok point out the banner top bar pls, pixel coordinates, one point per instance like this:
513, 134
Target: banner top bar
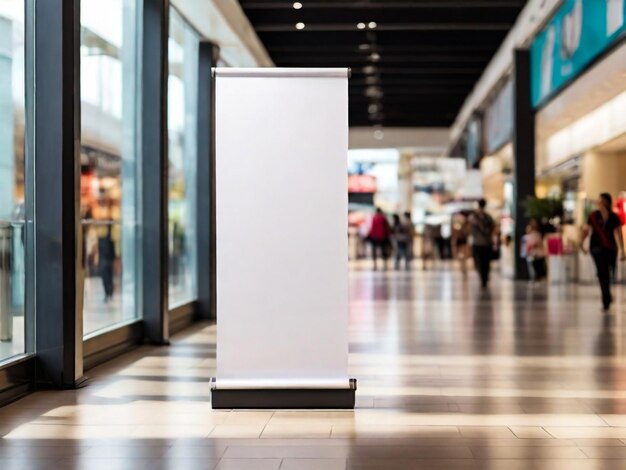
279, 72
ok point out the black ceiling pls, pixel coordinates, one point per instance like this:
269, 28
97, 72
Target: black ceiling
414, 67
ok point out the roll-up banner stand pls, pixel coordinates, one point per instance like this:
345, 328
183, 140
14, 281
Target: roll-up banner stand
281, 207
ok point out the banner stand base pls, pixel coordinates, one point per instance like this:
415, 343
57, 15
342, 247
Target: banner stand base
342, 399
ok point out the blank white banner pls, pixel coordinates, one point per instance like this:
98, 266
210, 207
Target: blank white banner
281, 227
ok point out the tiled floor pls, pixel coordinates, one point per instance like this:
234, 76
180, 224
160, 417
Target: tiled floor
515, 378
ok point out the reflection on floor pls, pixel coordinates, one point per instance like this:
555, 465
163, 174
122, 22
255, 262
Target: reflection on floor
513, 378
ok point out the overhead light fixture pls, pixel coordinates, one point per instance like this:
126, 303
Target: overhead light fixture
375, 56
300, 25
369, 69
379, 134
372, 79
374, 92
297, 5
361, 25
372, 25
365, 47
372, 108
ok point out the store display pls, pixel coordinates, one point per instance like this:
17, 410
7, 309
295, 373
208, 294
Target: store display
577, 34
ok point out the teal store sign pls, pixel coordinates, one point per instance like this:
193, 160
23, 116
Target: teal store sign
579, 31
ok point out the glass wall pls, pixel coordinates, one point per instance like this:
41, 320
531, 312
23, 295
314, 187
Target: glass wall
182, 128
12, 178
110, 171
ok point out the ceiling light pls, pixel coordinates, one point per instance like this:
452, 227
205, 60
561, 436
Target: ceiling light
379, 134
361, 25
372, 25
300, 25
373, 92
375, 56
365, 47
372, 79
369, 69
297, 5
372, 108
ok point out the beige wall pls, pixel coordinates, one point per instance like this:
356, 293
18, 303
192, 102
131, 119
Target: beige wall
603, 172
545, 187
405, 181
493, 180
431, 141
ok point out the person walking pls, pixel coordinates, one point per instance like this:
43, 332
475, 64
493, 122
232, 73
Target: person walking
410, 230
605, 228
482, 229
429, 246
106, 262
401, 240
461, 234
379, 237
535, 252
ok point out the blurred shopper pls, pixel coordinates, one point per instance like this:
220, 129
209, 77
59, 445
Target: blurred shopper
410, 229
535, 251
106, 261
428, 245
401, 240
362, 234
439, 241
380, 238
606, 240
483, 228
461, 234
177, 252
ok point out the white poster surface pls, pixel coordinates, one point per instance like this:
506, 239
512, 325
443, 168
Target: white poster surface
281, 224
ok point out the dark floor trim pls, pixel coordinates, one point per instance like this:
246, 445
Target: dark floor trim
110, 344
182, 317
342, 399
17, 378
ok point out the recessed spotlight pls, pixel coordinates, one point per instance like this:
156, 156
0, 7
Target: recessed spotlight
297, 5
361, 25
365, 47
375, 56
300, 25
372, 108
373, 91
369, 69
372, 25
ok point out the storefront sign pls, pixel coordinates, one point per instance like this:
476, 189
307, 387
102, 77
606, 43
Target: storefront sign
361, 184
579, 31
473, 148
499, 119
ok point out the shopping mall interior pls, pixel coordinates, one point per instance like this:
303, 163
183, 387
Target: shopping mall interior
323, 234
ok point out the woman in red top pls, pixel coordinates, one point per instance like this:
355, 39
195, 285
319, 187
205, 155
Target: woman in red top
380, 237
606, 239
